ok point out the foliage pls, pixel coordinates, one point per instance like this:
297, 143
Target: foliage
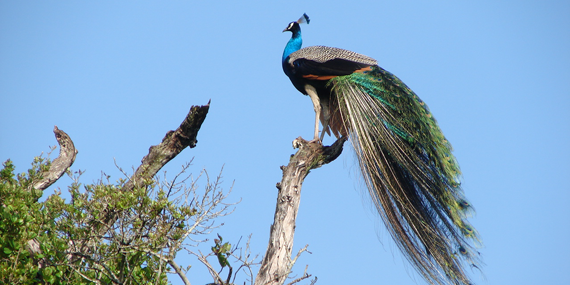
103, 235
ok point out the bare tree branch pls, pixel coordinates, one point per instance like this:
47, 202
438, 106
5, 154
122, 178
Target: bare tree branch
179, 271
277, 263
303, 277
204, 259
58, 167
67, 153
172, 144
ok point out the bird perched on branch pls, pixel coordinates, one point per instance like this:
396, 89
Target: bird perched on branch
405, 160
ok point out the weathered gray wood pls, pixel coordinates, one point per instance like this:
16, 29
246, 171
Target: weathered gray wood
172, 144
67, 154
277, 262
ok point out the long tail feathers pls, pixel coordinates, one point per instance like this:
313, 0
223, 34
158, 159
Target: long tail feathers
410, 172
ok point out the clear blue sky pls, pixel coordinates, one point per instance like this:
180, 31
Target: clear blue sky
117, 75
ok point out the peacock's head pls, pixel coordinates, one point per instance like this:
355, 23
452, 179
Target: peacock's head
294, 26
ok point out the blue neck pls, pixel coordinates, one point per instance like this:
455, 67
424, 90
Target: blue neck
293, 45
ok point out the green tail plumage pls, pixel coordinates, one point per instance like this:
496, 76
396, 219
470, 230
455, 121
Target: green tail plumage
409, 170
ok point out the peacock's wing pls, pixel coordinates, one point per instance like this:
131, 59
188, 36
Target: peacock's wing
324, 63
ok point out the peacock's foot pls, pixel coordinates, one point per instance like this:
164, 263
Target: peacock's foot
298, 142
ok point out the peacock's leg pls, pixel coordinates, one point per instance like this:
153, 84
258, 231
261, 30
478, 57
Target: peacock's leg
325, 117
317, 106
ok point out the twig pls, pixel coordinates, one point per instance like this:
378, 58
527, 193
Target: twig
204, 260
297, 257
179, 271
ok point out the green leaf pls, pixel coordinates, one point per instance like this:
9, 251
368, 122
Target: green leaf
223, 260
226, 247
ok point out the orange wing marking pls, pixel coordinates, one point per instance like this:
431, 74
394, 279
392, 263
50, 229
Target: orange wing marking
327, 77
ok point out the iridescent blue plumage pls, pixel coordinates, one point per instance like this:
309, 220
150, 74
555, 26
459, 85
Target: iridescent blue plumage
294, 43
405, 160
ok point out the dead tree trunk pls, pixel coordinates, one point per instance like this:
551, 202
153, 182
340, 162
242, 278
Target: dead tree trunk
277, 262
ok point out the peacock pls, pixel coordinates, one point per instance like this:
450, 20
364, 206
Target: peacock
405, 160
